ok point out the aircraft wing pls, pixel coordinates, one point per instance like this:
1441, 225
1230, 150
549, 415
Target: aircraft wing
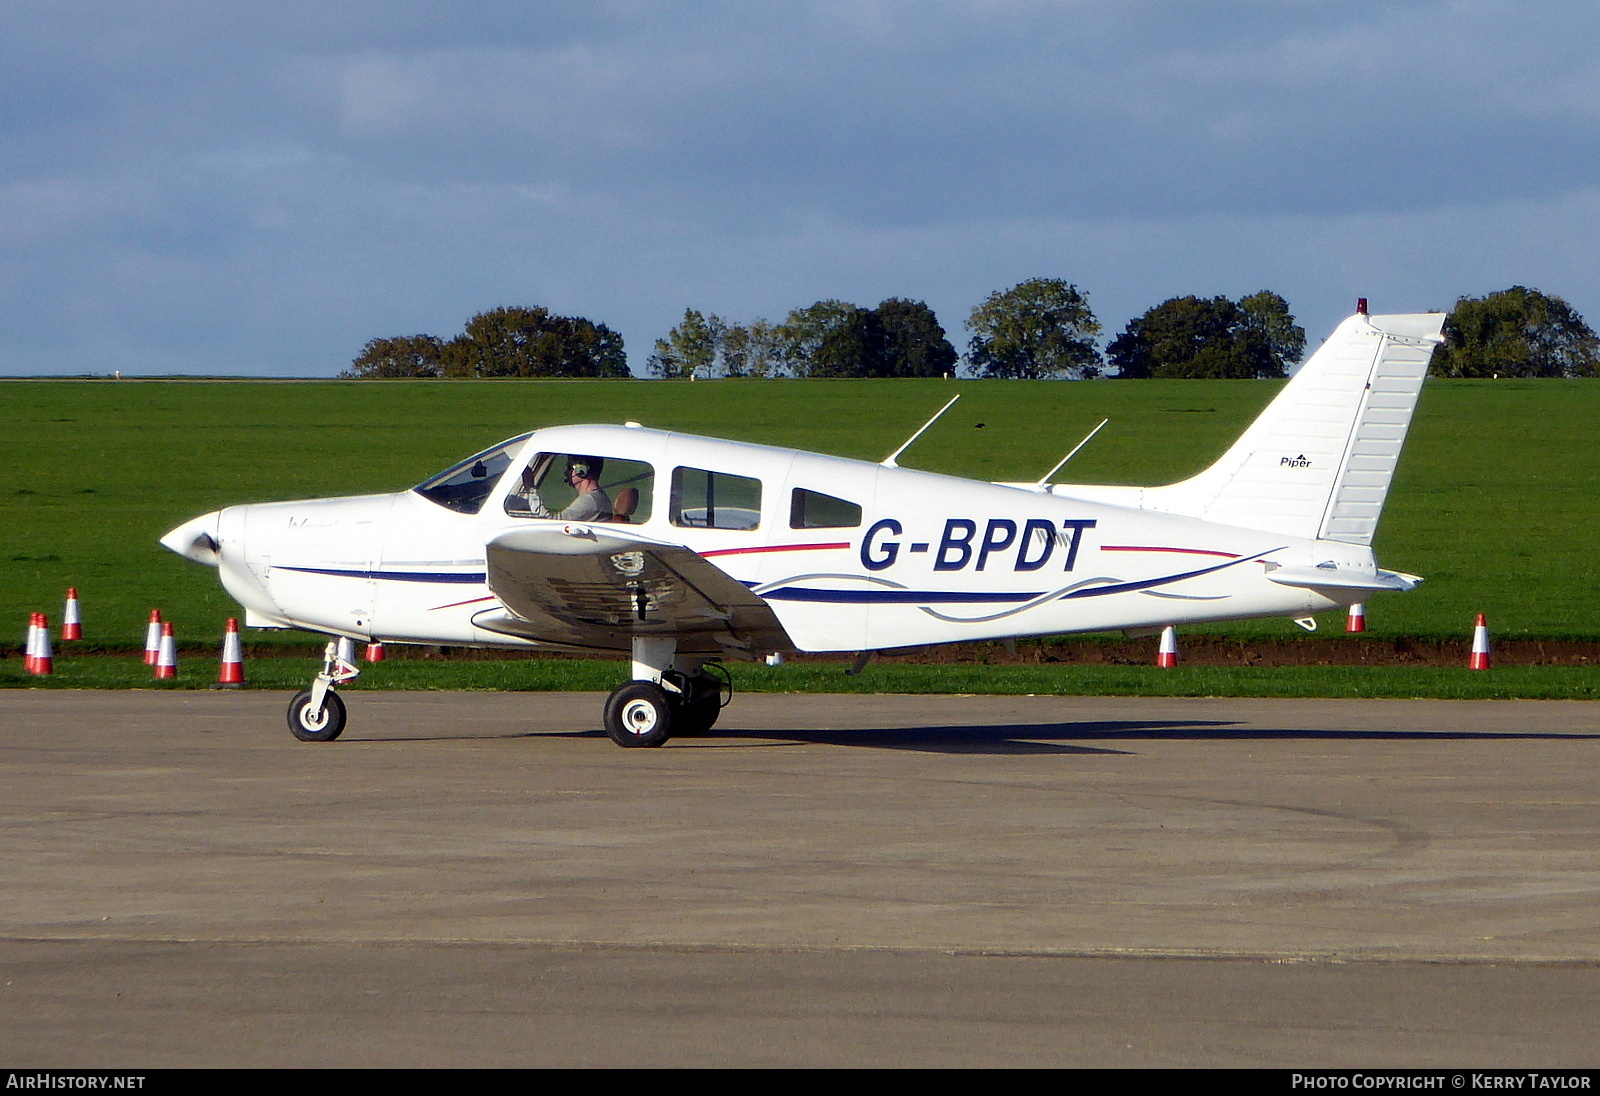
583, 586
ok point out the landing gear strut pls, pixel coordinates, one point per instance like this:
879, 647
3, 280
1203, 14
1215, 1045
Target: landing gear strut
317, 714
667, 696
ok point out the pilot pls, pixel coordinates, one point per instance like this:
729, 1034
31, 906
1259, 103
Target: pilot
583, 476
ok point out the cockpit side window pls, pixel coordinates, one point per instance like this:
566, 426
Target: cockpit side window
464, 487
703, 499
583, 487
814, 510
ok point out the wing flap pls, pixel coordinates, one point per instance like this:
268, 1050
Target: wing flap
582, 586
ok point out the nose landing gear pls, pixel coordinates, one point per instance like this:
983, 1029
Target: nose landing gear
317, 714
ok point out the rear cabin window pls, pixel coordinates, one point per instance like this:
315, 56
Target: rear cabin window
703, 499
814, 510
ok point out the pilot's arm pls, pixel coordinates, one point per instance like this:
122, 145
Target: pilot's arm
530, 493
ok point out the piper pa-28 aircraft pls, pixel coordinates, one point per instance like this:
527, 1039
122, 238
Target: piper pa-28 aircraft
681, 552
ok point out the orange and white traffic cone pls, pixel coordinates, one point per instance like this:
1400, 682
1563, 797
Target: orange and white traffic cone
1167, 654
1479, 659
30, 647
44, 663
167, 654
1357, 620
152, 638
375, 652
231, 675
71, 622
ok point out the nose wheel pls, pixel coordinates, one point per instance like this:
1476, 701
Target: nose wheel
311, 724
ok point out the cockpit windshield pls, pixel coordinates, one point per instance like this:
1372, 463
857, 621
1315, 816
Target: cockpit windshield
464, 487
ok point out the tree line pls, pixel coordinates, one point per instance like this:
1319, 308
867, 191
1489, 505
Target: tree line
1039, 328
503, 342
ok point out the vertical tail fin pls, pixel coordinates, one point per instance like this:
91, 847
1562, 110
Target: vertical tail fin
1318, 461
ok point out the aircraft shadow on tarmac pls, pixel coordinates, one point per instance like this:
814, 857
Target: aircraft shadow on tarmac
1081, 737
997, 739
1029, 738
994, 738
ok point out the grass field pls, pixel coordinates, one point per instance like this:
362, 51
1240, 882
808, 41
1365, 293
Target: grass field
1494, 502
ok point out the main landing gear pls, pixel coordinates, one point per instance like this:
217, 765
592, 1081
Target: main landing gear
668, 696
317, 714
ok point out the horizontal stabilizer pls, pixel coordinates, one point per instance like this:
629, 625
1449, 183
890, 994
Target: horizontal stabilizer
1335, 579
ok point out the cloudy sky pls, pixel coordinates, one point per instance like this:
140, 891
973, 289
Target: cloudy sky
213, 187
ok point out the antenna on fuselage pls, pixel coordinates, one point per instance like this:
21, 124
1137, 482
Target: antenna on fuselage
1045, 482
888, 462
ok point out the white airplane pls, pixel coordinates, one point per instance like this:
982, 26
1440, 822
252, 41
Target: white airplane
681, 551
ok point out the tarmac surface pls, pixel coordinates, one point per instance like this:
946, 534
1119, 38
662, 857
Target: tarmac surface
485, 879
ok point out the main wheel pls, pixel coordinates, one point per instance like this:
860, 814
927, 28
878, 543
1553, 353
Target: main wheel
638, 714
698, 716
323, 726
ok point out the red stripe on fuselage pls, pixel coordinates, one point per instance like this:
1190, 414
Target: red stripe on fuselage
458, 604
1153, 548
773, 548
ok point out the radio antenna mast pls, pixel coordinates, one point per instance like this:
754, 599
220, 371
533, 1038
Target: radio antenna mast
888, 462
1045, 482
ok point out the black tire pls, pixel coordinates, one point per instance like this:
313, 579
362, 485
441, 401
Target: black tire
698, 716
639, 714
328, 727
